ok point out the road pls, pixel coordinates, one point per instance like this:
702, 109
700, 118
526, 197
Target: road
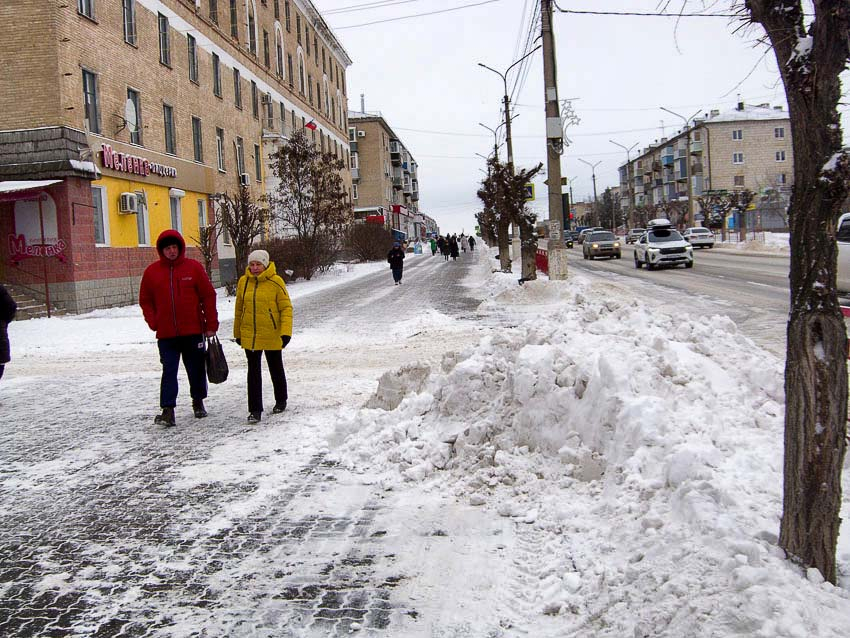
752, 289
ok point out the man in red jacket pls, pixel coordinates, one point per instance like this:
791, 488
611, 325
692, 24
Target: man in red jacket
178, 302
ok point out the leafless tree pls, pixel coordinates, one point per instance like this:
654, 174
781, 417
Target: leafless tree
207, 241
244, 220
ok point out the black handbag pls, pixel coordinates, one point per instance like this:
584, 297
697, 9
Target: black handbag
216, 363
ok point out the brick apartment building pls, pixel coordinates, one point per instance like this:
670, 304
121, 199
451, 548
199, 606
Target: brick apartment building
121, 118
748, 147
385, 179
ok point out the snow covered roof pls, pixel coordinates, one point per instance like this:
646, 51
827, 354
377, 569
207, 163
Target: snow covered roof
748, 112
15, 186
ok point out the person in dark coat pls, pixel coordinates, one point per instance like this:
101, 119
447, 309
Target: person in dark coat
471, 243
8, 308
178, 302
453, 247
396, 260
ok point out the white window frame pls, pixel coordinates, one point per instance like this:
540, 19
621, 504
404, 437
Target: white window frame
355, 192
129, 18
86, 8
192, 46
738, 134
143, 225
219, 143
203, 220
779, 132
780, 156
176, 212
99, 195
737, 158
164, 39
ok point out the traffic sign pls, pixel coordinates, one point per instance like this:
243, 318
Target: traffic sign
529, 192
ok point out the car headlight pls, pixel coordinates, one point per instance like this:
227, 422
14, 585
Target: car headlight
594, 246
616, 244
653, 250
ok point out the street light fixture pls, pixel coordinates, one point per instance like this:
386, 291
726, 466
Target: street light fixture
629, 175
595, 199
504, 77
689, 215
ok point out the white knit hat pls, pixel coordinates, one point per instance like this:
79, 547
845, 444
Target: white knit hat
261, 256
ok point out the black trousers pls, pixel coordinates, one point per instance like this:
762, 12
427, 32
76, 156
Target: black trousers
191, 349
274, 359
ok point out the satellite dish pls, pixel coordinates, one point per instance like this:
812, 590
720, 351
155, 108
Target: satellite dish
130, 116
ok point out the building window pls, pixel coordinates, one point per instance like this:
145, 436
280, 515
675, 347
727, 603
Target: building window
193, 58
130, 21
780, 156
234, 21
142, 220
219, 148
301, 73
324, 66
237, 89
355, 192
279, 57
86, 8
779, 132
168, 121
197, 139
738, 180
282, 118
737, 158
255, 106
135, 131
277, 9
258, 164
354, 159
92, 112
176, 214
298, 27
101, 217
214, 12
216, 69
202, 213
781, 178
307, 38
289, 68
164, 40
286, 17
266, 51
315, 47
252, 33
738, 134
310, 89
240, 155
352, 134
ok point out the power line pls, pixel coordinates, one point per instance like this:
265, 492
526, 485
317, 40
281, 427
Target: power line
368, 6
648, 14
416, 15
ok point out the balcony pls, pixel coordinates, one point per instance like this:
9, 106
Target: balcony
696, 148
666, 160
696, 167
415, 196
355, 173
352, 146
407, 189
681, 152
656, 165
398, 182
395, 153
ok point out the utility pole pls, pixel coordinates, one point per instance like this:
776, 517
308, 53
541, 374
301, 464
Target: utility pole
554, 146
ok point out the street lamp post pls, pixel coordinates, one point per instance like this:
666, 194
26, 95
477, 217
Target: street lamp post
504, 77
689, 214
495, 132
595, 198
629, 176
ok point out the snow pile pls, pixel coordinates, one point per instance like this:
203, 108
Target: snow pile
644, 448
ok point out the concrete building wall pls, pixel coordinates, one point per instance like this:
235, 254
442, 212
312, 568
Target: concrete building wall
759, 145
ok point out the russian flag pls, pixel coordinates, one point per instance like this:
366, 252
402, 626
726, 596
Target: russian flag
311, 125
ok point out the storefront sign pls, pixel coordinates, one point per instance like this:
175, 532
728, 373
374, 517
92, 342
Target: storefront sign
19, 250
134, 164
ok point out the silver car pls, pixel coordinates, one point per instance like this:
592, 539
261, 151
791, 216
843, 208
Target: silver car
699, 237
601, 243
662, 245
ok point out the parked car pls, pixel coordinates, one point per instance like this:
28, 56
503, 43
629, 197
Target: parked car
662, 245
634, 234
699, 237
601, 243
842, 236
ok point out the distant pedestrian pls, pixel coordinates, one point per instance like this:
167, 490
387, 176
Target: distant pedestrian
453, 248
262, 323
443, 245
471, 243
464, 242
396, 260
8, 308
433, 243
178, 302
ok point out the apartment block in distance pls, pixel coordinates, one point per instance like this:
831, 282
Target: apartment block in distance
385, 181
122, 118
748, 147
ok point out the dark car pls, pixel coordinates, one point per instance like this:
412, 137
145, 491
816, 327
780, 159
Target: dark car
601, 243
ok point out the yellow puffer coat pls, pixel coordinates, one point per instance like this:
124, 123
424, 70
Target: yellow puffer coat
263, 310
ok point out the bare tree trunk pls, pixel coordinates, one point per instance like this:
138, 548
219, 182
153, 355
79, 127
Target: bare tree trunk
816, 359
528, 249
504, 243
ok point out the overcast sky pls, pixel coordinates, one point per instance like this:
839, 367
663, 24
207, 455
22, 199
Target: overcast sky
421, 72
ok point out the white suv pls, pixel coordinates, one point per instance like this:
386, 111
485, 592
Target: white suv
662, 245
842, 236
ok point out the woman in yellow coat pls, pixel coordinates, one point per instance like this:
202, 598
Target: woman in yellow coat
263, 323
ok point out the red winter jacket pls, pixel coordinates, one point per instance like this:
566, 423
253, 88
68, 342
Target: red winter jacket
177, 297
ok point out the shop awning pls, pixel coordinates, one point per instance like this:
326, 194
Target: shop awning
26, 185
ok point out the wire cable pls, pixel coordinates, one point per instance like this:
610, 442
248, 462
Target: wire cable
367, 7
416, 15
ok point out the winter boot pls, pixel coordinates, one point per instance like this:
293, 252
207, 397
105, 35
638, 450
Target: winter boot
166, 418
198, 408
254, 417
279, 407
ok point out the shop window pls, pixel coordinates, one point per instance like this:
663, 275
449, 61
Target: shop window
101, 215
176, 213
202, 213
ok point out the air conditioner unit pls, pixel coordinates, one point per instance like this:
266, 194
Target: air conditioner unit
244, 179
361, 133
128, 203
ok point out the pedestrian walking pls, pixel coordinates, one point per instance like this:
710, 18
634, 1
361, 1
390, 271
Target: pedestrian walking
471, 243
8, 308
178, 303
433, 243
443, 243
464, 242
263, 324
396, 260
453, 248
